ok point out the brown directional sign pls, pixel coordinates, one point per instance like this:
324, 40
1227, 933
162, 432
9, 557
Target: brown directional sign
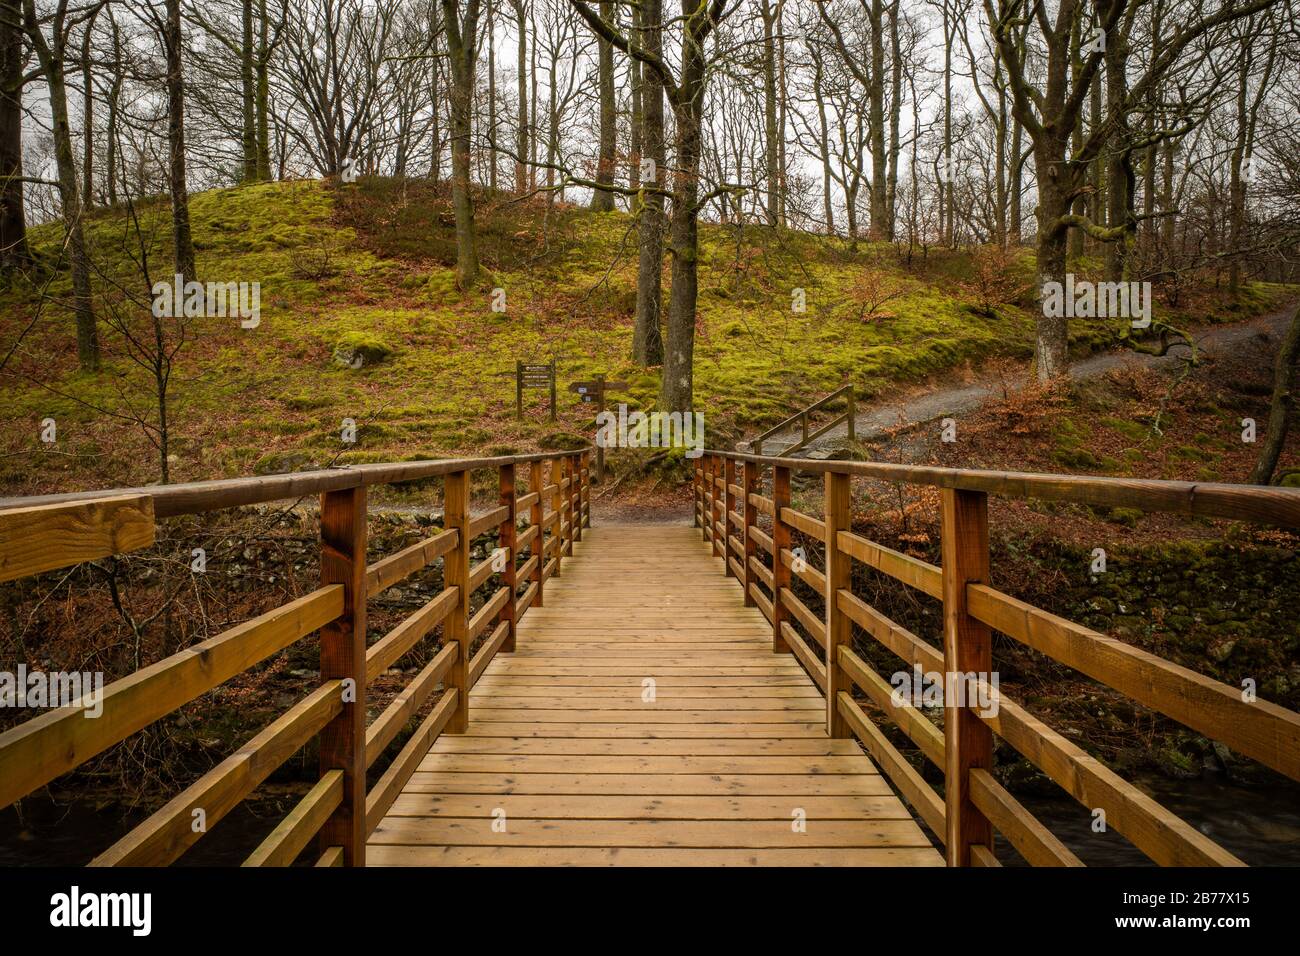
533, 376
594, 390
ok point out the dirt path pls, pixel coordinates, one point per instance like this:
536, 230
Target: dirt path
920, 405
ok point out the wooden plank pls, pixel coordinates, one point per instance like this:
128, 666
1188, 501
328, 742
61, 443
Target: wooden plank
484, 655
653, 856
753, 834
814, 625
455, 573
795, 785
386, 572
343, 657
488, 613
171, 830
780, 543
1259, 729
407, 704
381, 797
390, 648
47, 537
295, 831
35, 752
488, 519
331, 857
967, 649
813, 527
617, 807
920, 575
903, 775
1033, 840
813, 664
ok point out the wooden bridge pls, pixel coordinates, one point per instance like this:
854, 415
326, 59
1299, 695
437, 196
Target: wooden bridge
614, 695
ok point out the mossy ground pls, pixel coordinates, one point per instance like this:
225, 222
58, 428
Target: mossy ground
373, 261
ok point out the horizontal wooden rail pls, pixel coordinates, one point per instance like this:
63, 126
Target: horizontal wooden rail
300, 827
174, 828
385, 791
200, 496
392, 646
404, 706
1260, 730
1259, 504
41, 538
35, 752
388, 571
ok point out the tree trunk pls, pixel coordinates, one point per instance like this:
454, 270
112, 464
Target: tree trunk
461, 40
248, 138
769, 114
647, 337
521, 91
52, 60
1051, 355
87, 117
677, 388
1279, 411
14, 250
183, 242
263, 104
602, 200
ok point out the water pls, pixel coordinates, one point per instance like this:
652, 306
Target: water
71, 834
1260, 824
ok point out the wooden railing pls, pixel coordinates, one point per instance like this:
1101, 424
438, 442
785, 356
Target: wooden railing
58, 531
803, 418
728, 505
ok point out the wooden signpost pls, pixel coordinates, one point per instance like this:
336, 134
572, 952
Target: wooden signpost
533, 376
594, 391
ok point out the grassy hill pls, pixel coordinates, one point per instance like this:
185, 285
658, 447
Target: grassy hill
370, 264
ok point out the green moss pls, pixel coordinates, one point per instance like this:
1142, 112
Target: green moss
359, 349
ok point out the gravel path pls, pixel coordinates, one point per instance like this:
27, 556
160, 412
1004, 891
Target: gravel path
920, 406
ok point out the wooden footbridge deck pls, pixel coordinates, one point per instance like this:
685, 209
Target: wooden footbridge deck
616, 695
643, 719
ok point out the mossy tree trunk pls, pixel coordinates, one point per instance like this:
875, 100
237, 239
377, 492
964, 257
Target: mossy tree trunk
52, 55
647, 335
1279, 411
14, 250
462, 39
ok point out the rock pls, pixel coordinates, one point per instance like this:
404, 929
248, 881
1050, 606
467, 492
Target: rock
356, 350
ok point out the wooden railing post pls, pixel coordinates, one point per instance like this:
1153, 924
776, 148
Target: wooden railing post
719, 546
967, 649
728, 506
696, 466
839, 574
575, 493
507, 534
584, 468
455, 573
780, 544
851, 413
750, 512
536, 480
557, 505
343, 657
709, 489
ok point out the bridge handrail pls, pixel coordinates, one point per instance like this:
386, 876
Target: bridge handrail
974, 803
49, 532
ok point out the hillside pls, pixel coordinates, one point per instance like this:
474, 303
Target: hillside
369, 265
